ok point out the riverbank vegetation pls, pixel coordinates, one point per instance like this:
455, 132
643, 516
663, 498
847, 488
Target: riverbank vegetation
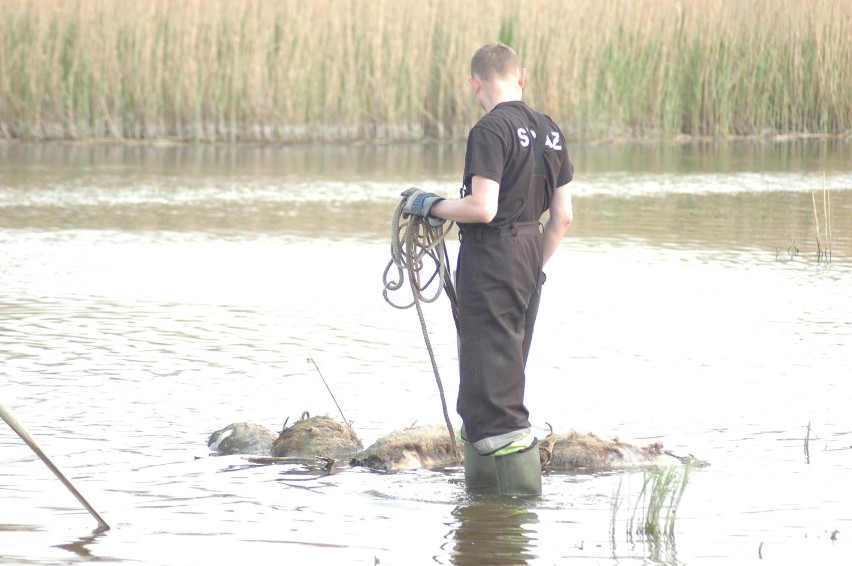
288, 70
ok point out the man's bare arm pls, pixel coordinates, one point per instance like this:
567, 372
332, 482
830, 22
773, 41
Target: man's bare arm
561, 216
478, 207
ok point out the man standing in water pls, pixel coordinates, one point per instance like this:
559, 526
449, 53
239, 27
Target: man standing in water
516, 168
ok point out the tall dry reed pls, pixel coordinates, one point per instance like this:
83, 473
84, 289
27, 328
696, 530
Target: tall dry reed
290, 70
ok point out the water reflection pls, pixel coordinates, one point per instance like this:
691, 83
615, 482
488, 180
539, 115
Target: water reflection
80, 547
493, 532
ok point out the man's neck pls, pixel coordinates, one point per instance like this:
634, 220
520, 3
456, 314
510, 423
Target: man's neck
491, 102
507, 88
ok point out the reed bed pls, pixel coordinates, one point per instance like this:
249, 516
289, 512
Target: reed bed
289, 70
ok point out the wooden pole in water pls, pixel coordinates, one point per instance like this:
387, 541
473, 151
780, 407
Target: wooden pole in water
16, 426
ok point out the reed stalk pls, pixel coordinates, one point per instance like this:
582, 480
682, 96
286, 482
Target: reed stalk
823, 243
286, 70
816, 221
808, 444
826, 210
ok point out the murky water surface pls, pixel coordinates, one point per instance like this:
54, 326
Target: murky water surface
151, 295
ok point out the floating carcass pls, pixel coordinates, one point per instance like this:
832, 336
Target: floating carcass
428, 446
307, 437
242, 438
586, 452
316, 436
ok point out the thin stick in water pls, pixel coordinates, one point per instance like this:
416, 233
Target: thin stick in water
310, 359
19, 429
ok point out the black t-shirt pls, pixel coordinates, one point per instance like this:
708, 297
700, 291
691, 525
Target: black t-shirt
500, 148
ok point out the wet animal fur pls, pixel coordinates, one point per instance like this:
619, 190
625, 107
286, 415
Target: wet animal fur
427, 446
242, 438
316, 436
587, 452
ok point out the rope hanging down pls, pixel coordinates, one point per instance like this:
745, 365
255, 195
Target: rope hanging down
413, 242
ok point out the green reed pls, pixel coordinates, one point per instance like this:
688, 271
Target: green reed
286, 70
654, 513
823, 240
664, 489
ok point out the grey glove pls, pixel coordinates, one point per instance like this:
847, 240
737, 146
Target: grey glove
419, 202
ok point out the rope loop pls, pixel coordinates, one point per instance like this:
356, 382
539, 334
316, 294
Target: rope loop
415, 244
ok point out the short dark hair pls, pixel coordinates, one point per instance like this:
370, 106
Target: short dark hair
495, 60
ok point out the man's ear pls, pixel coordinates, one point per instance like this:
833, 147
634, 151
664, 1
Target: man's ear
475, 84
522, 77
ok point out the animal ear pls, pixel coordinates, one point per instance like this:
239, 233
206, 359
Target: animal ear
283, 428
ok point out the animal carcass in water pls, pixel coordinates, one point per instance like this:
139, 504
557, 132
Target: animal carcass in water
242, 438
587, 452
427, 446
316, 436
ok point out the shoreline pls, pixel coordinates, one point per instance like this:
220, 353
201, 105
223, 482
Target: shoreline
680, 139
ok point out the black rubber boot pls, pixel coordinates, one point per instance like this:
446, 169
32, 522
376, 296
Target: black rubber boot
480, 472
519, 473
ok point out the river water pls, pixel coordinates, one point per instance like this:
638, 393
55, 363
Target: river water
150, 295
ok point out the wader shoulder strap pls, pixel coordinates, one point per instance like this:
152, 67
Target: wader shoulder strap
538, 149
537, 191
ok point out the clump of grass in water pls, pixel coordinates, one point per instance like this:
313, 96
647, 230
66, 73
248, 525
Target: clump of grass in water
664, 489
655, 512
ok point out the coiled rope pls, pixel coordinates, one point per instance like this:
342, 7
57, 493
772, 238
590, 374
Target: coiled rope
414, 243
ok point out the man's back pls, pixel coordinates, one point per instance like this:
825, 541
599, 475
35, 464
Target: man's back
501, 147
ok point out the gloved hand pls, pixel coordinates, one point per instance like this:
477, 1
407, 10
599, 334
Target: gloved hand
420, 202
